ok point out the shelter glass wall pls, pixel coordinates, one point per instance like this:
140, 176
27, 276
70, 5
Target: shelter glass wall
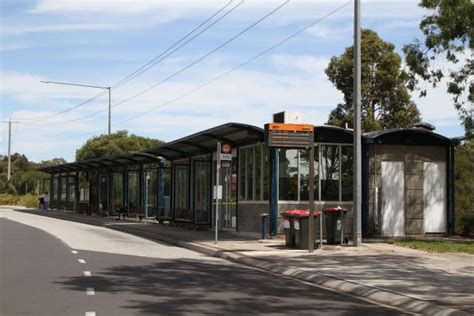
84, 191
117, 191
104, 192
164, 192
94, 191
63, 192
202, 175
332, 171
133, 192
151, 192
253, 173
71, 192
54, 192
181, 186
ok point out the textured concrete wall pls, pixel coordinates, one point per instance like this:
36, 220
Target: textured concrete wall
413, 158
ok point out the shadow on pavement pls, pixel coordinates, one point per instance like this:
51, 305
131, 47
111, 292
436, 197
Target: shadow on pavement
175, 287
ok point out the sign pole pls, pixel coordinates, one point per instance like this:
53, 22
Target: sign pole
216, 190
311, 195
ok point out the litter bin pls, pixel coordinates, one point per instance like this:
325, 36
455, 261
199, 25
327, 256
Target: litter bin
301, 227
335, 225
288, 225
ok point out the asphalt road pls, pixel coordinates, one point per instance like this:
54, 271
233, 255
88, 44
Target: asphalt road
43, 275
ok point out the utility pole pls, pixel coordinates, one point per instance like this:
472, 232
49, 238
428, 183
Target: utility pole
9, 172
357, 167
109, 126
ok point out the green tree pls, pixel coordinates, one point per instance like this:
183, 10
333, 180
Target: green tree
464, 162
114, 144
386, 101
448, 33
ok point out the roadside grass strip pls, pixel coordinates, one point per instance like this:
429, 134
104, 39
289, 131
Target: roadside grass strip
437, 245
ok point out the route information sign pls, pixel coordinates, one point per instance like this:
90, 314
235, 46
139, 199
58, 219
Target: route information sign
281, 135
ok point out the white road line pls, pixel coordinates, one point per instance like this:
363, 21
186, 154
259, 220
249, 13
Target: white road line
90, 314
81, 260
87, 273
73, 251
90, 291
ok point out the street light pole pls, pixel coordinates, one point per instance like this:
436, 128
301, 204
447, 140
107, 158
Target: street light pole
109, 129
357, 167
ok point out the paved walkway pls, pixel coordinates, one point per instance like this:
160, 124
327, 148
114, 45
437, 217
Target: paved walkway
412, 280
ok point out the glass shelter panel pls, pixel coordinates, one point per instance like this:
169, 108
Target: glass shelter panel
164, 192
242, 173
71, 193
133, 192
288, 174
304, 175
63, 195
103, 192
181, 187
330, 172
346, 173
202, 173
151, 191
54, 192
117, 191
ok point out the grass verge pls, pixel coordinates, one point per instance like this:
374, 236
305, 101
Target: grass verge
438, 245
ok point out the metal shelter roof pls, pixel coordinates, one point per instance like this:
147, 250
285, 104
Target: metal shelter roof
106, 162
407, 136
333, 134
234, 134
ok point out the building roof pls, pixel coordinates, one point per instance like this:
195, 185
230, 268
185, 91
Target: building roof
234, 134
333, 134
407, 136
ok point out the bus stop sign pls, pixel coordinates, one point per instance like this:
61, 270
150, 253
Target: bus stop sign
280, 135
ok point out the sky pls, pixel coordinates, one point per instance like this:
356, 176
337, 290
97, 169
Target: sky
196, 84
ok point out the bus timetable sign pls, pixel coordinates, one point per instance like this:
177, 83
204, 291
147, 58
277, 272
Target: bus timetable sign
280, 135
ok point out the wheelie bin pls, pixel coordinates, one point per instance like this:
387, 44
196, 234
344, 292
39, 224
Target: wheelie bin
335, 225
288, 225
301, 226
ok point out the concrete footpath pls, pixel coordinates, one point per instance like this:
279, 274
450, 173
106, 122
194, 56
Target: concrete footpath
411, 280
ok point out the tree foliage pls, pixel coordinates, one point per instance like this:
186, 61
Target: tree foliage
448, 33
24, 173
386, 101
464, 170
114, 144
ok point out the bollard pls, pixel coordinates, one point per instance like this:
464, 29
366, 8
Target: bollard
264, 224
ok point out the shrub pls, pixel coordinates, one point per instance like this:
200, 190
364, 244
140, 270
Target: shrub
28, 200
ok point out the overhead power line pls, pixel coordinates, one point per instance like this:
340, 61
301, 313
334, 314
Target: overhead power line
248, 28
238, 66
145, 67
162, 56
245, 30
201, 86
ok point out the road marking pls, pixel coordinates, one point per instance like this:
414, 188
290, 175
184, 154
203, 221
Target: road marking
87, 273
90, 314
73, 251
81, 260
90, 291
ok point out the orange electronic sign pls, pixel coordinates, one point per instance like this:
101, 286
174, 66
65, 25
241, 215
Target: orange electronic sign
281, 135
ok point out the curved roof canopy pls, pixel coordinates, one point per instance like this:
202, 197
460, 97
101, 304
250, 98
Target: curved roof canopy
101, 163
332, 134
234, 134
407, 136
